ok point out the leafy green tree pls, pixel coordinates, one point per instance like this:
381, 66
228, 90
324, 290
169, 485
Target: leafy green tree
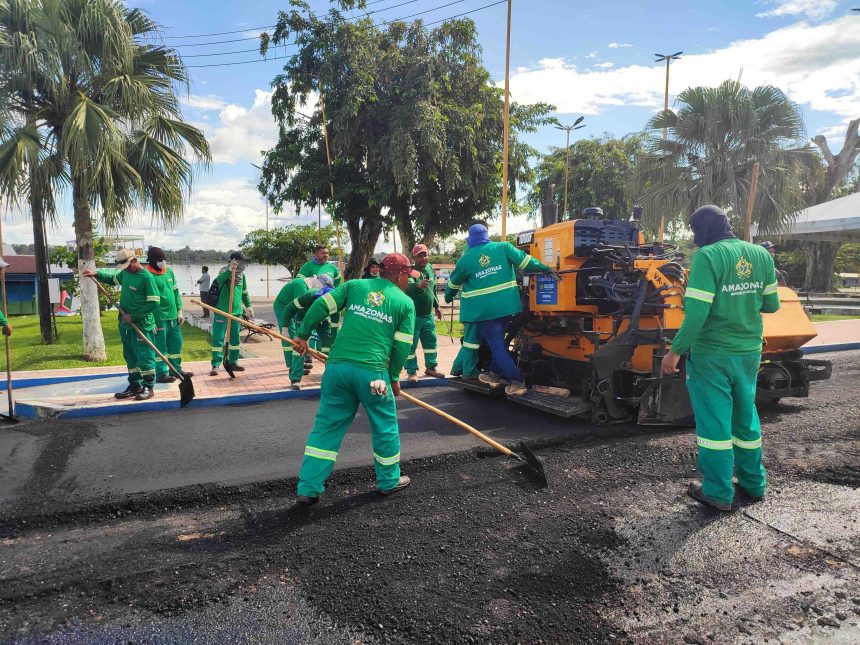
289, 246
91, 102
62, 256
598, 173
716, 135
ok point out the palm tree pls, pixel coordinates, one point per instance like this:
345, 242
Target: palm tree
90, 78
714, 138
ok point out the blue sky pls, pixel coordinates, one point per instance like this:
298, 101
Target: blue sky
591, 58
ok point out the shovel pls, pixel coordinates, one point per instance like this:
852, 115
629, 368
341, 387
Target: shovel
532, 465
186, 387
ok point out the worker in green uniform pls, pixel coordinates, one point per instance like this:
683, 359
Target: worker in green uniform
319, 264
241, 301
168, 316
731, 283
466, 361
363, 367
290, 305
4, 325
489, 295
422, 290
139, 298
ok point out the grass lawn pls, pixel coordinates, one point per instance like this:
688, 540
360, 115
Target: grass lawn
826, 317
442, 327
28, 352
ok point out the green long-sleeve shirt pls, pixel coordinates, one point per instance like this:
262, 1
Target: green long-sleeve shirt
240, 293
297, 307
377, 326
288, 293
138, 296
425, 299
310, 269
486, 278
731, 284
168, 288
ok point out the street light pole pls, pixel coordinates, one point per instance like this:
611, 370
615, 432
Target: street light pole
506, 127
267, 236
659, 59
567, 129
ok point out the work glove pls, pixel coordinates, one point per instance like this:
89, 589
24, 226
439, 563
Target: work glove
180, 318
249, 311
379, 387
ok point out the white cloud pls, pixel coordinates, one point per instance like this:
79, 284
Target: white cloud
199, 102
605, 65
816, 65
619, 45
241, 133
592, 54
809, 8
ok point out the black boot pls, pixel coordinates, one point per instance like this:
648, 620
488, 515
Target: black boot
128, 392
236, 367
144, 393
166, 378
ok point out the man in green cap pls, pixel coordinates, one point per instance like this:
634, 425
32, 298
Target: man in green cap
422, 290
241, 301
168, 315
731, 284
363, 367
139, 298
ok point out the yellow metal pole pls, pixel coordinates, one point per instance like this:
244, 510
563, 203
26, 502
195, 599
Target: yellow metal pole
506, 127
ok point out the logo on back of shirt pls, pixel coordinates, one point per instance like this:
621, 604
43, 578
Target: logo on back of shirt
375, 298
743, 268
484, 260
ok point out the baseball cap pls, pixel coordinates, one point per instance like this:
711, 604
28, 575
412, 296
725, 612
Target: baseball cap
123, 258
394, 262
419, 248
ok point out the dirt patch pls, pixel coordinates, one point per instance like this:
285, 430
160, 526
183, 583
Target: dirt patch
841, 475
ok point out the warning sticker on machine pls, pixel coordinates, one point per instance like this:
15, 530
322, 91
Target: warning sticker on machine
547, 291
548, 256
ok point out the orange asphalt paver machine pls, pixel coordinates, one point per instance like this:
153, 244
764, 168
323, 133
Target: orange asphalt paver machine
590, 340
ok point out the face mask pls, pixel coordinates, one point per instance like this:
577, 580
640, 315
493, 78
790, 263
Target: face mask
241, 266
161, 264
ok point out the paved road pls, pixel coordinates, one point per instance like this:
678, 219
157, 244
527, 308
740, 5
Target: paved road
54, 464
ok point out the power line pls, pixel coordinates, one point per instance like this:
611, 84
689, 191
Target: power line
265, 60
412, 15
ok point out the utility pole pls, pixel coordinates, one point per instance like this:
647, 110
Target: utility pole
659, 59
567, 129
506, 120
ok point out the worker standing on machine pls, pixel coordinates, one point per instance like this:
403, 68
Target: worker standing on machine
363, 367
731, 284
490, 296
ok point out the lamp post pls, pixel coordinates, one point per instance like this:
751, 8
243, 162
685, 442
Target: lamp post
567, 129
659, 59
267, 230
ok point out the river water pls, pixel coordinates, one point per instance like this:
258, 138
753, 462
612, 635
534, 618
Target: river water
255, 275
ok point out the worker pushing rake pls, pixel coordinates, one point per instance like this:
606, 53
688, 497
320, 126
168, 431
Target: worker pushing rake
364, 367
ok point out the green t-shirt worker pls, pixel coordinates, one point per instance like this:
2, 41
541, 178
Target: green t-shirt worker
319, 264
168, 316
139, 299
241, 301
731, 284
363, 367
422, 290
485, 276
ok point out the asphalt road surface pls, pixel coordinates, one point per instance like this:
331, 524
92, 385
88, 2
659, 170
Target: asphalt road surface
173, 528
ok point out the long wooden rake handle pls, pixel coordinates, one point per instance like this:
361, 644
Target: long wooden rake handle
322, 359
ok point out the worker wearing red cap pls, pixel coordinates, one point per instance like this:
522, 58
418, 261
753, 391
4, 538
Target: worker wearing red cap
168, 316
422, 290
363, 367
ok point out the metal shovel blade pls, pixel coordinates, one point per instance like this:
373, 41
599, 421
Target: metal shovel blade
532, 465
186, 391
226, 363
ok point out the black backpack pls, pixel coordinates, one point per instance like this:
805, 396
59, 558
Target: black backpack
211, 297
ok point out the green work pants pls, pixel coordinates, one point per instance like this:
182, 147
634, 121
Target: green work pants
466, 363
344, 386
425, 332
139, 357
728, 433
168, 339
219, 330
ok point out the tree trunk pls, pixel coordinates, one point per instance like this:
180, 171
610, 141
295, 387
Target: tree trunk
43, 294
94, 340
821, 257
403, 223
363, 234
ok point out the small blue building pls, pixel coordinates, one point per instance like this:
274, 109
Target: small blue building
22, 285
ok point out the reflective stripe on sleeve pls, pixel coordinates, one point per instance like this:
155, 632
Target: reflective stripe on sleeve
387, 461
297, 303
330, 303
471, 345
410, 357
698, 294
525, 261
488, 290
748, 445
771, 288
319, 453
711, 444
403, 338
453, 286
154, 298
